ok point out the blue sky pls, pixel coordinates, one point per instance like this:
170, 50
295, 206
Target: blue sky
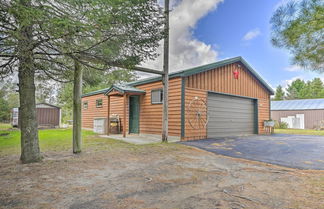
225, 27
205, 31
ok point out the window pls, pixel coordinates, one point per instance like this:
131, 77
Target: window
157, 96
85, 105
99, 103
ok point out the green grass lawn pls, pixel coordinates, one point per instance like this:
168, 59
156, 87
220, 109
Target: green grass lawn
5, 126
299, 132
55, 140
61, 140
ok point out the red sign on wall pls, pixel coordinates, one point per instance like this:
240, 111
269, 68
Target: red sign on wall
236, 74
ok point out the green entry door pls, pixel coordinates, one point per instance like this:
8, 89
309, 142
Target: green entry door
134, 114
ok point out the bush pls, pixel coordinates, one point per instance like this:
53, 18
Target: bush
281, 125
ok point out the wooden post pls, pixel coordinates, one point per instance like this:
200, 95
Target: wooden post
124, 122
108, 120
165, 77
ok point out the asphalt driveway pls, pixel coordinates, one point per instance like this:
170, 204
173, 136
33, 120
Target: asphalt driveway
295, 151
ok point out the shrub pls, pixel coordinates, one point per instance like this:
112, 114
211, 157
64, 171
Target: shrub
281, 125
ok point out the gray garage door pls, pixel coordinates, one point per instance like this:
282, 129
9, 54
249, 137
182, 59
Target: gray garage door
230, 116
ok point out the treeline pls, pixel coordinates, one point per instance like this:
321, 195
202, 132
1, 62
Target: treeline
9, 99
299, 89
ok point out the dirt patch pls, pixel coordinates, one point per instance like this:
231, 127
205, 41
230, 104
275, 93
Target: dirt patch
155, 176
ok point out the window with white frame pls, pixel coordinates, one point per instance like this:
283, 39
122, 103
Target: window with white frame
157, 96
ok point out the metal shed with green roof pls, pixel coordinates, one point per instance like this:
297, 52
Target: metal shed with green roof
225, 98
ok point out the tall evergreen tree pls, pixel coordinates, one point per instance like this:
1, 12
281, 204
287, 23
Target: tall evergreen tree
4, 107
280, 94
53, 37
305, 93
294, 89
317, 88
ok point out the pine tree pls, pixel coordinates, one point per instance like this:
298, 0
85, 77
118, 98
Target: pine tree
294, 89
298, 27
305, 93
317, 88
280, 94
58, 37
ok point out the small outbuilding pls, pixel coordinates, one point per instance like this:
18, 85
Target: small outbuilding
225, 98
299, 114
48, 116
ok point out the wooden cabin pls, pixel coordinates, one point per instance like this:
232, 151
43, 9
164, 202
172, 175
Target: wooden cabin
225, 98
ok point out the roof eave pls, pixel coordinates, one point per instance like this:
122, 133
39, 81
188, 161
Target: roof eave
102, 91
123, 91
45, 103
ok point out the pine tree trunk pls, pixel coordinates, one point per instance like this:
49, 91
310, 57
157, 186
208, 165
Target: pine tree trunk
28, 121
77, 91
165, 120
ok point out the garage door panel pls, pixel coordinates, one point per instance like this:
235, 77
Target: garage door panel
238, 114
227, 98
236, 131
226, 125
230, 108
230, 116
231, 121
230, 101
233, 133
240, 129
216, 111
234, 117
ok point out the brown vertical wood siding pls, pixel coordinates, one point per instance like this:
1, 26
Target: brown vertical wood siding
190, 132
92, 112
116, 107
150, 121
222, 80
49, 117
312, 118
151, 114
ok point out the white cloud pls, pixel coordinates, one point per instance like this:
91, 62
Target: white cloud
293, 68
251, 34
185, 50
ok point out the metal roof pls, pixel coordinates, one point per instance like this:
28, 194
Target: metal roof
124, 88
300, 104
101, 91
44, 103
